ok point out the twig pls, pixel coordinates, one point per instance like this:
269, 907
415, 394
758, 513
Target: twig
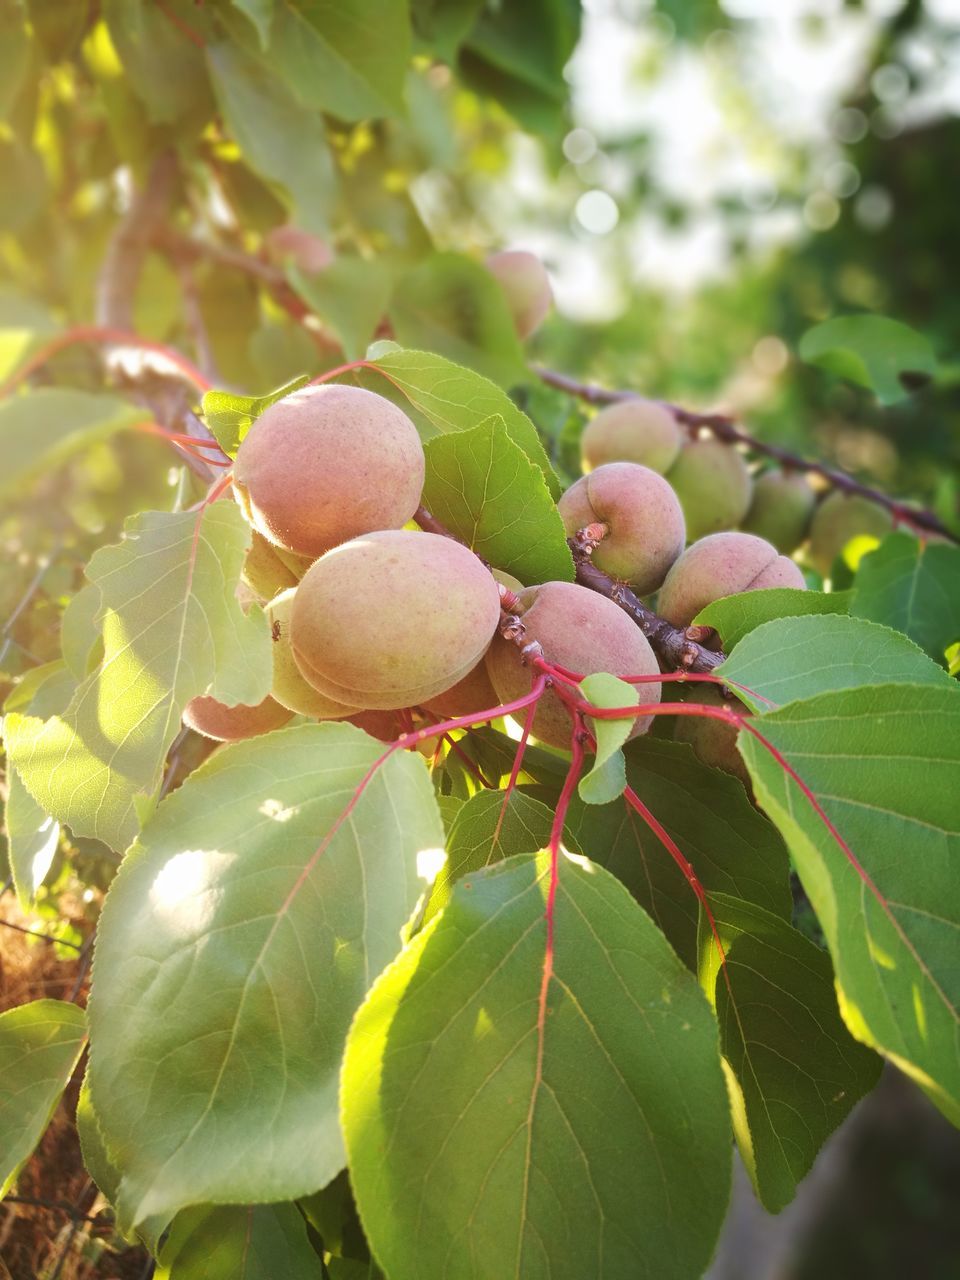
193, 318
32, 588
724, 428
103, 1217
127, 250
45, 937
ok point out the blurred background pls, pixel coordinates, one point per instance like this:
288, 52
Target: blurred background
705, 179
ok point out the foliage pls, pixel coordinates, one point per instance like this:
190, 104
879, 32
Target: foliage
413, 995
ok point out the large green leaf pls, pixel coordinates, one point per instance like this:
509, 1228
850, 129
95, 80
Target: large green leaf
32, 840
490, 1135
345, 57
282, 141
350, 296
733, 849
239, 1242
450, 304
172, 629
162, 65
42, 428
882, 763
483, 487
236, 942
913, 586
40, 1044
736, 616
443, 24
794, 658
446, 397
888, 357
793, 1070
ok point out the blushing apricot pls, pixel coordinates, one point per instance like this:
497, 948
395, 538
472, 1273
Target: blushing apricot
722, 564
526, 286
229, 724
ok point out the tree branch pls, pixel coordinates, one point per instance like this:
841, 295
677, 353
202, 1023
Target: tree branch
724, 428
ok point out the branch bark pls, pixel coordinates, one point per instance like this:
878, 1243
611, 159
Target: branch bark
724, 428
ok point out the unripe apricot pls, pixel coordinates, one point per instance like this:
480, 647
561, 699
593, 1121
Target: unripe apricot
782, 505
471, 694
526, 285
289, 687
645, 527
714, 742
839, 519
582, 631
723, 564
632, 431
228, 724
714, 486
393, 618
325, 464
263, 570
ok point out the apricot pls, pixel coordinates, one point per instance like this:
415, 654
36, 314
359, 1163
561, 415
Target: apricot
263, 570
383, 725
214, 719
526, 286
782, 505
582, 631
722, 564
713, 484
714, 742
645, 523
288, 243
326, 464
471, 694
839, 519
632, 431
393, 618
289, 687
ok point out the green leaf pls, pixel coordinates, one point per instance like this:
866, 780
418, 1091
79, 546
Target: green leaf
281, 140
235, 945
25, 189
490, 826
32, 840
793, 1070
42, 428
346, 58
486, 1137
160, 62
607, 778
80, 629
24, 323
450, 304
446, 397
733, 849
913, 586
40, 1044
350, 295
794, 658
735, 616
260, 13
889, 358
230, 416
484, 489
239, 1242
443, 25
882, 763
172, 629
15, 49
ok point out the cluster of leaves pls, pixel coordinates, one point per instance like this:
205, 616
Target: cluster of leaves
307, 1057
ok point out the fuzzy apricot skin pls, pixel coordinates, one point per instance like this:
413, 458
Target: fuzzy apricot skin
646, 529
326, 464
215, 720
393, 618
838, 519
582, 631
781, 508
723, 564
634, 430
714, 487
290, 689
471, 694
714, 742
526, 286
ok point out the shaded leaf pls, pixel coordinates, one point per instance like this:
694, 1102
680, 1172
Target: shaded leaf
736, 616
236, 942
350, 295
164, 67
40, 1044
882, 763
484, 489
794, 658
172, 629
239, 1242
873, 351
793, 1070
579, 1142
32, 840
913, 586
